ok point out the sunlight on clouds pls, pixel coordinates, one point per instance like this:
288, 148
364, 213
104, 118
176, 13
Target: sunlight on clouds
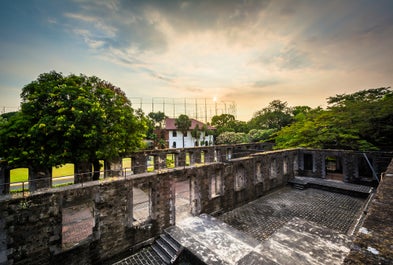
254, 55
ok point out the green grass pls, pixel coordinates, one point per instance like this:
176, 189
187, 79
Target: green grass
19, 174
22, 174
65, 170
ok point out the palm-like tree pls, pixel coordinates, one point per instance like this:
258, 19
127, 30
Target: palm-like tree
183, 124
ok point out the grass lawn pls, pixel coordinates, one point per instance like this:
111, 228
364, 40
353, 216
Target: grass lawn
21, 174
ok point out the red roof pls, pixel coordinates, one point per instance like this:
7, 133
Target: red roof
170, 124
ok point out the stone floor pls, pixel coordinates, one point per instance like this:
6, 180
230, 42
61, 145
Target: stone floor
262, 218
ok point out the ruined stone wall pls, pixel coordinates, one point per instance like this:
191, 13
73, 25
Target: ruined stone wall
374, 240
90, 222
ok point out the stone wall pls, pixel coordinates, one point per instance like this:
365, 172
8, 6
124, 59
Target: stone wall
90, 222
374, 240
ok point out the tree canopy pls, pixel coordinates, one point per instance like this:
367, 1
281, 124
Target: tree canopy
359, 121
276, 116
183, 124
70, 119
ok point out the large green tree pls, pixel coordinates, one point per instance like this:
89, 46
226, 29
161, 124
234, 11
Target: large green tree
155, 131
227, 123
276, 116
360, 121
71, 118
183, 124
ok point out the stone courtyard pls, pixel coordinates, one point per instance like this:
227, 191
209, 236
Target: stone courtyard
262, 217
336, 215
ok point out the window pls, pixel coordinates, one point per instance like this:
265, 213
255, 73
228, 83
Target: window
77, 218
174, 134
259, 177
273, 168
215, 185
140, 204
240, 179
308, 162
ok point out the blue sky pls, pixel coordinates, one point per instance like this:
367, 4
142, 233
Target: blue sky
249, 52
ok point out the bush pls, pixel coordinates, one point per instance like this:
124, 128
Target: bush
232, 138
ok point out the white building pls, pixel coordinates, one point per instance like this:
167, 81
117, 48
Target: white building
174, 137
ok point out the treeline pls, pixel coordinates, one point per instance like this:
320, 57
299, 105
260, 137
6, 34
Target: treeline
359, 121
82, 120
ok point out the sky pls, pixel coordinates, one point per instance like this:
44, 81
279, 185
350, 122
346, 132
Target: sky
243, 52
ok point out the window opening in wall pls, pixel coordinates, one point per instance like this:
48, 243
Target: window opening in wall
215, 185
174, 144
150, 163
258, 173
182, 200
365, 171
240, 179
174, 134
285, 165
308, 162
141, 204
333, 166
203, 157
229, 154
188, 158
273, 168
170, 160
127, 166
20, 175
77, 225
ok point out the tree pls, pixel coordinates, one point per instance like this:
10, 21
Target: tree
232, 138
276, 116
196, 134
359, 121
71, 118
370, 111
155, 131
260, 135
228, 123
157, 118
222, 120
183, 124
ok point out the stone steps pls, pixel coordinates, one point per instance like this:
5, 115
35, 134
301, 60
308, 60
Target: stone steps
167, 248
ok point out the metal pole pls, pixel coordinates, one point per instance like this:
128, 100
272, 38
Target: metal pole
372, 169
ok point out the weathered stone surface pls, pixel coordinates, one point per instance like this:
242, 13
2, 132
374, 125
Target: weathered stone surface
374, 241
32, 223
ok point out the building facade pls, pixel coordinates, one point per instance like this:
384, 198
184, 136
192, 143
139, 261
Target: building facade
174, 137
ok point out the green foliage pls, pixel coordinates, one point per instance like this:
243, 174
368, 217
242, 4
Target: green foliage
228, 123
359, 121
232, 138
196, 134
260, 135
155, 131
70, 119
183, 124
157, 118
276, 116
